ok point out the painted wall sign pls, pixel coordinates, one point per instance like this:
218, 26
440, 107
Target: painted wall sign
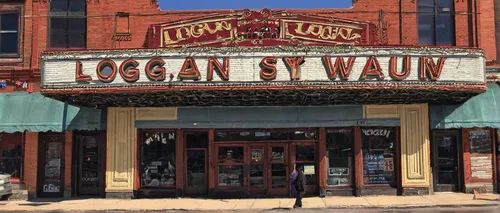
261, 28
128, 68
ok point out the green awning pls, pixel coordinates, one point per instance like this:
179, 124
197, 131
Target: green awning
22, 111
480, 111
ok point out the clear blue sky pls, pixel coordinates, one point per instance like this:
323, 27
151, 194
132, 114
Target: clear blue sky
251, 4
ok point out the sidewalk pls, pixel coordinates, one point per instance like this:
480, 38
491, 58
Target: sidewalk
438, 200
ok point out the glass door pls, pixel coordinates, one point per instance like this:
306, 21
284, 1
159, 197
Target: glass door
230, 167
51, 170
278, 163
196, 162
258, 168
446, 164
88, 165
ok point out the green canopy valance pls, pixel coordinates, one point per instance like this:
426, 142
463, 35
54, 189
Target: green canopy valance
479, 111
20, 111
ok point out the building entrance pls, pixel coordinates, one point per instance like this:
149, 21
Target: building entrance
446, 164
262, 167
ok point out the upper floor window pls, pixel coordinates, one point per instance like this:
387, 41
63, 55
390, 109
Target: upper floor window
68, 24
9, 33
436, 22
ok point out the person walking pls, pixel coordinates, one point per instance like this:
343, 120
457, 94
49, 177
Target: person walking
300, 185
293, 182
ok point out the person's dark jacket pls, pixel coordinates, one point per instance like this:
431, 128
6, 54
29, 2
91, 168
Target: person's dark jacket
301, 181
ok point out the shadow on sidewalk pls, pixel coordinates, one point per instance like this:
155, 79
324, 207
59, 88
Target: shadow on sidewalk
47, 201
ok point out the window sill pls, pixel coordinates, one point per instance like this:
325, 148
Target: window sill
6, 59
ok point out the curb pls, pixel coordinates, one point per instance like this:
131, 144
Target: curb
416, 206
261, 210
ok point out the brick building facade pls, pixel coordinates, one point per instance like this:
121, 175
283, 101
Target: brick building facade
50, 32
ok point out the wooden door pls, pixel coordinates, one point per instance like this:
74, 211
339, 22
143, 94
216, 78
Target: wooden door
278, 169
51, 165
446, 168
306, 157
258, 165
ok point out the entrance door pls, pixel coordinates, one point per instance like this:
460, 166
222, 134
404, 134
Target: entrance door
258, 169
446, 164
90, 163
278, 169
51, 165
196, 162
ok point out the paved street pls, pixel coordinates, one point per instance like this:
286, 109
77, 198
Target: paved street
415, 210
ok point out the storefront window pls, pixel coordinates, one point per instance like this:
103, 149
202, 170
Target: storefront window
481, 154
305, 158
11, 154
378, 155
158, 149
339, 144
268, 135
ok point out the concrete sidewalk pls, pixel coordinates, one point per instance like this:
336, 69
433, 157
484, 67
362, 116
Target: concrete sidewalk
437, 200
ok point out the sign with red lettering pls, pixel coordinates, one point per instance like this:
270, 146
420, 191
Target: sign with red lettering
261, 28
222, 67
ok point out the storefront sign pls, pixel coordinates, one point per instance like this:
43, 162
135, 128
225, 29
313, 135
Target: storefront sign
309, 170
133, 68
377, 132
261, 28
388, 164
336, 171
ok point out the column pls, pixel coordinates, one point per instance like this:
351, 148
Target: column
415, 149
31, 163
322, 161
120, 159
68, 154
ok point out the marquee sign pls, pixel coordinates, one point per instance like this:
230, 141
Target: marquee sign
261, 28
204, 68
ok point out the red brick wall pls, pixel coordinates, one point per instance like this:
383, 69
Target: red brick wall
68, 144
143, 13
101, 21
30, 161
487, 38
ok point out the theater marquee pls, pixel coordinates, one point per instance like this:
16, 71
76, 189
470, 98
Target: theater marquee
133, 68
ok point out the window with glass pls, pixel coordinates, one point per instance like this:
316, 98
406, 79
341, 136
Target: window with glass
265, 135
436, 22
378, 155
9, 33
196, 151
305, 156
11, 155
231, 162
257, 167
67, 24
339, 143
158, 159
